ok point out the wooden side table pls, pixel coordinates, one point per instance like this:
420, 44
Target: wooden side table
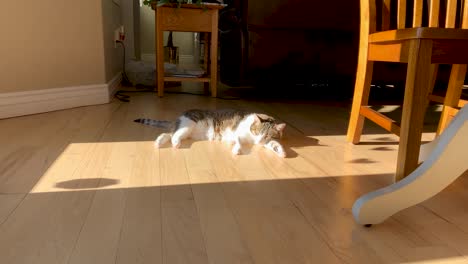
187, 18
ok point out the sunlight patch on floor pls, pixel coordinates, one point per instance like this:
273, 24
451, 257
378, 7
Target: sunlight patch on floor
86, 163
451, 260
388, 108
122, 165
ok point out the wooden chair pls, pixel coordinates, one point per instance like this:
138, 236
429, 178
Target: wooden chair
422, 48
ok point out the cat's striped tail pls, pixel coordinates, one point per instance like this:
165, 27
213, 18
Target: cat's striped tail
155, 123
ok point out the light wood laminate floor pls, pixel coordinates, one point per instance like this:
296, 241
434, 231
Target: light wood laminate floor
86, 185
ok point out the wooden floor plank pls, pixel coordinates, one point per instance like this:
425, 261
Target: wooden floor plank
419, 218
8, 203
22, 167
217, 219
182, 237
105, 219
48, 220
141, 235
44, 142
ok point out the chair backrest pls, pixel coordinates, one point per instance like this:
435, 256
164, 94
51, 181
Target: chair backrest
398, 14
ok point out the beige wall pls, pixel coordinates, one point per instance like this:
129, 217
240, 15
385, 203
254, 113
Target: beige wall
131, 20
183, 40
50, 44
111, 17
146, 30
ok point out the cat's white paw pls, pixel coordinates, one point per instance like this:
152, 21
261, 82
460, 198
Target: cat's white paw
236, 150
281, 154
161, 140
278, 149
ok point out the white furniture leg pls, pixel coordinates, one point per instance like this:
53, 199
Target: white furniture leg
446, 161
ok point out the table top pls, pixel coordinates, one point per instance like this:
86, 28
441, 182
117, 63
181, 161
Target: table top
192, 6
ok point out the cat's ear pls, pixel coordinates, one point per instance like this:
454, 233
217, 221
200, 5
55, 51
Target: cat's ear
262, 117
280, 127
256, 119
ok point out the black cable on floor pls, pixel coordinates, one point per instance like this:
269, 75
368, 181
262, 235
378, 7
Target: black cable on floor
125, 80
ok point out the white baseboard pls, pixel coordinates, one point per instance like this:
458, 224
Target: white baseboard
40, 101
114, 85
151, 57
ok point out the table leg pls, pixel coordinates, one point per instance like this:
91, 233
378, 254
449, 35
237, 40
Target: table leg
159, 54
214, 55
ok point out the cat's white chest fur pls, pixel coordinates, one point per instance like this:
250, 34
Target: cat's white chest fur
243, 132
228, 135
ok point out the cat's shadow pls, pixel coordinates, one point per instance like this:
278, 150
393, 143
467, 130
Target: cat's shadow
297, 142
290, 142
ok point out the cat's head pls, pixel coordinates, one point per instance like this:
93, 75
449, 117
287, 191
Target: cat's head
265, 128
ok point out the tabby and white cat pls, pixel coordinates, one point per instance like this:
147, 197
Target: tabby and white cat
227, 125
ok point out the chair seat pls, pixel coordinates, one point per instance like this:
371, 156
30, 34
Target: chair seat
418, 33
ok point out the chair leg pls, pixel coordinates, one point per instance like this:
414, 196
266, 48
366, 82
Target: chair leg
360, 98
415, 100
433, 73
452, 97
